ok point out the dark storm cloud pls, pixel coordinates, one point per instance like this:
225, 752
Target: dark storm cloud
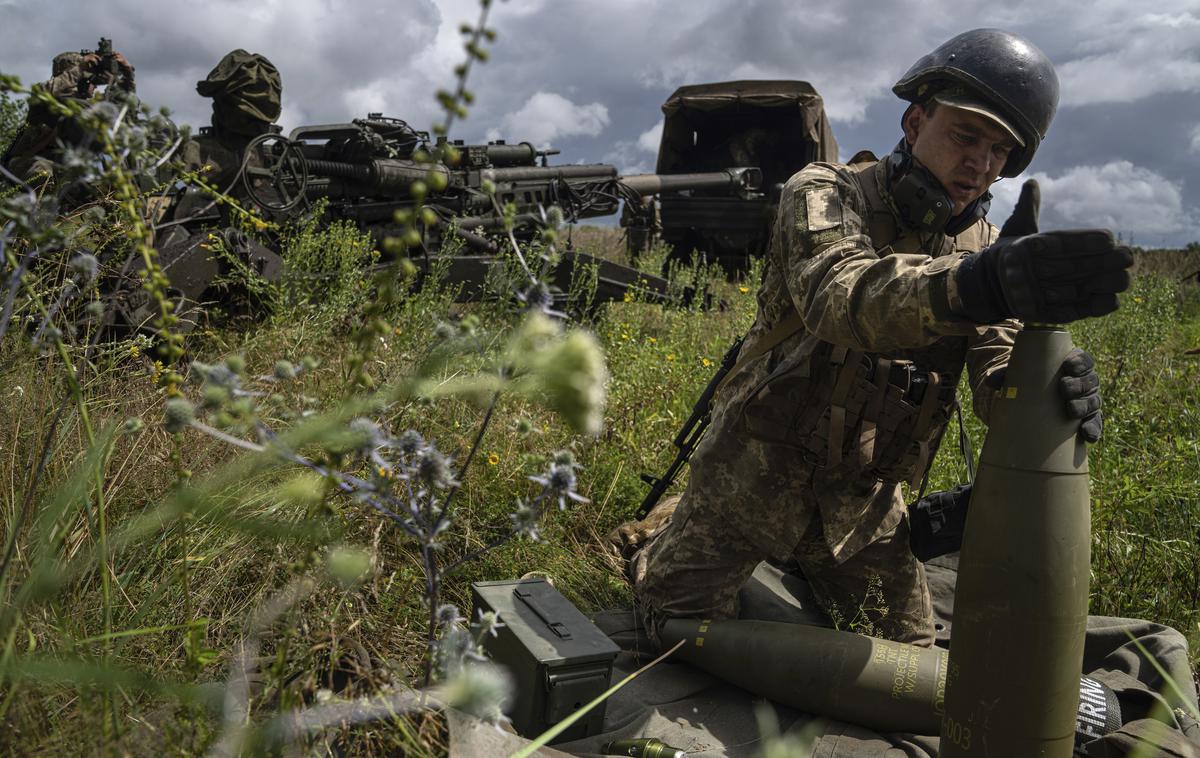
590, 77
329, 53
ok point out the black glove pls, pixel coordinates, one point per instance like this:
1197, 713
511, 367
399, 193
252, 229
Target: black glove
936, 522
1051, 277
1080, 386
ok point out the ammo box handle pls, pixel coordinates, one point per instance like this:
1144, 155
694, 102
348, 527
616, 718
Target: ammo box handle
559, 628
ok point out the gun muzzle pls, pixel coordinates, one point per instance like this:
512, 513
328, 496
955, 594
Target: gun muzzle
743, 179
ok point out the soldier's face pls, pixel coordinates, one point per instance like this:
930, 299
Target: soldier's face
964, 150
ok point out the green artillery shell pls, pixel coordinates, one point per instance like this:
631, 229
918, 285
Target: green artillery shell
1020, 608
884, 685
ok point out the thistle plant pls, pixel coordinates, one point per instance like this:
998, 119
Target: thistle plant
350, 464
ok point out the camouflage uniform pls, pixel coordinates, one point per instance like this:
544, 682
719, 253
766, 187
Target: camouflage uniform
35, 149
246, 90
858, 286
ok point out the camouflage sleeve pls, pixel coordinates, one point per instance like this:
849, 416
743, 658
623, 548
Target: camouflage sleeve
65, 84
987, 353
843, 290
190, 156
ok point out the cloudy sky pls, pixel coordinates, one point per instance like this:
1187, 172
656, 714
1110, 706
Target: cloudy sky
588, 77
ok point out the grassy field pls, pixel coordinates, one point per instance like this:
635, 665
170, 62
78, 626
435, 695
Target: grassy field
127, 601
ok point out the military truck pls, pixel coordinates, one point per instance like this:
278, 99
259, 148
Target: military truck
778, 126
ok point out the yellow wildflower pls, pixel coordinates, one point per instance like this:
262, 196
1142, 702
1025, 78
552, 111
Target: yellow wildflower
134, 351
653, 340
743, 289
670, 356
705, 362
628, 296
493, 459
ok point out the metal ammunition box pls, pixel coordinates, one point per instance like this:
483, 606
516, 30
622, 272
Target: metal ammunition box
558, 659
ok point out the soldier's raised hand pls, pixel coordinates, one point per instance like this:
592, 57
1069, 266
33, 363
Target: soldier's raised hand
1080, 387
1048, 277
126, 66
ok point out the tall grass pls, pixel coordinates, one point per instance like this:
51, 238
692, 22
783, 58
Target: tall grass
259, 532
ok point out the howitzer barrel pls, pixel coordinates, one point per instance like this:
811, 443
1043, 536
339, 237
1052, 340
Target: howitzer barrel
742, 179
500, 156
384, 176
594, 171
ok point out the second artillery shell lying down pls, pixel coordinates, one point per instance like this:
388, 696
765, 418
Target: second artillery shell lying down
882, 685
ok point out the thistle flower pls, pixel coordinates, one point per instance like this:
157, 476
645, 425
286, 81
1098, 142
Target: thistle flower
219, 375
434, 469
525, 521
537, 298
348, 565
488, 624
481, 690
448, 615
573, 376
410, 442
285, 370
559, 480
178, 415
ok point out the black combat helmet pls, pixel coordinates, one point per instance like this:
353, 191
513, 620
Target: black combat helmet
1006, 70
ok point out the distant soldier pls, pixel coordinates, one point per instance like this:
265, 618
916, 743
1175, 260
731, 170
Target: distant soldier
246, 91
74, 76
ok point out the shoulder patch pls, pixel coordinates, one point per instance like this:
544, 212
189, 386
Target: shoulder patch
824, 208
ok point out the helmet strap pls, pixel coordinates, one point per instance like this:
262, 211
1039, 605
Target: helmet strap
923, 204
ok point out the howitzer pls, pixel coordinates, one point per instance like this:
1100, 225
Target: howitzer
689, 435
368, 168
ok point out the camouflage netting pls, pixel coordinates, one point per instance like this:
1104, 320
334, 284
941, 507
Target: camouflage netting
246, 90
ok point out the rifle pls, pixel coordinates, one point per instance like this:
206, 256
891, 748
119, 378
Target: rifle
689, 436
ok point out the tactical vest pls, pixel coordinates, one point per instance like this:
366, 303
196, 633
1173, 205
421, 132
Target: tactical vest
845, 408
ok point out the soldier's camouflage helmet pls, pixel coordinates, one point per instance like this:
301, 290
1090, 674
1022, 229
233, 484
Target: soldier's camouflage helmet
246, 90
64, 62
996, 73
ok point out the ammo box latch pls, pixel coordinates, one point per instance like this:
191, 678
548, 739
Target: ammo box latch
568, 691
559, 628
